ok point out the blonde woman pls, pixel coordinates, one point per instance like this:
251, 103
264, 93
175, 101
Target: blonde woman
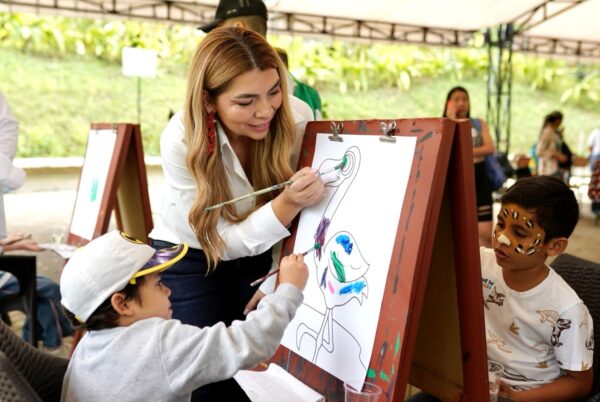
239, 136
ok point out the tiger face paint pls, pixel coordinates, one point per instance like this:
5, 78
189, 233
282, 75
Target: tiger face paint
517, 230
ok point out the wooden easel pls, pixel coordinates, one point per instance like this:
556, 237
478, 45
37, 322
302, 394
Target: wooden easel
113, 176
431, 326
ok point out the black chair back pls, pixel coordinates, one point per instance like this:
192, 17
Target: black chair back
42, 371
23, 267
13, 387
584, 277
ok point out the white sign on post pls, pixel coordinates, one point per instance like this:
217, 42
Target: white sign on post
138, 62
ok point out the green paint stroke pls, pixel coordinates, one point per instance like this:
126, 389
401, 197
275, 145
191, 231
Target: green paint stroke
397, 347
94, 190
384, 376
339, 268
371, 374
344, 161
393, 369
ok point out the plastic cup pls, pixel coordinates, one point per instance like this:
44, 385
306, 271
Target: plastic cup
495, 371
58, 235
354, 392
494, 390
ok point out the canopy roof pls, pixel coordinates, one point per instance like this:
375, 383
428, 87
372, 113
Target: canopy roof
562, 27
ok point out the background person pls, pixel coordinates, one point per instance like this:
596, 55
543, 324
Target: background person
594, 147
51, 322
458, 106
549, 146
11, 177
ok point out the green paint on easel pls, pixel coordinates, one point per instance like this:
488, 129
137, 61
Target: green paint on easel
94, 191
384, 376
397, 347
371, 374
393, 369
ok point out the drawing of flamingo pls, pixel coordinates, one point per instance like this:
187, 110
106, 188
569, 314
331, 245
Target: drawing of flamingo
341, 268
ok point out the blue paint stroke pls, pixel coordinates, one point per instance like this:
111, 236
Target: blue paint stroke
355, 287
344, 241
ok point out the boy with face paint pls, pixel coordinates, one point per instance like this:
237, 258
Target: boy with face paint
536, 325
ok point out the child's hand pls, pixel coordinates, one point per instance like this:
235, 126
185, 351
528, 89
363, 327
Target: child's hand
293, 270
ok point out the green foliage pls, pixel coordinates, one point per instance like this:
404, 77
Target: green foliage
104, 39
60, 74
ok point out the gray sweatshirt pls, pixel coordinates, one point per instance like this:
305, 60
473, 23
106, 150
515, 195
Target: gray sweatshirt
164, 360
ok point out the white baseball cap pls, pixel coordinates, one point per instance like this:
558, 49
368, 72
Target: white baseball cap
106, 265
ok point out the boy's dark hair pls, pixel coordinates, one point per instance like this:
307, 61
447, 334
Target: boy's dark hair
105, 316
553, 202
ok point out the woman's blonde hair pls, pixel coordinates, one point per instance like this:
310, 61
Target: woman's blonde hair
223, 55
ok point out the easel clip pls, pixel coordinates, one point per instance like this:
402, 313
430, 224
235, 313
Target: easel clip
388, 130
337, 129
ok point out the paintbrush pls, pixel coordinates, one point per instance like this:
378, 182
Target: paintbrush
263, 278
18, 239
275, 187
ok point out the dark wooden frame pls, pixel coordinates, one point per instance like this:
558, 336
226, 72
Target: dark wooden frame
431, 327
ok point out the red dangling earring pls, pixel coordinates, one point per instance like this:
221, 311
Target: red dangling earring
210, 127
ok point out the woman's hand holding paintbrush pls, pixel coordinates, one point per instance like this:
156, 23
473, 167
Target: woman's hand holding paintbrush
306, 190
295, 188
281, 266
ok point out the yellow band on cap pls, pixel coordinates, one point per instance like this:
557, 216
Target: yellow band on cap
160, 267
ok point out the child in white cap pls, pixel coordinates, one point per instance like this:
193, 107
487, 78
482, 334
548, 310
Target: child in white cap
133, 350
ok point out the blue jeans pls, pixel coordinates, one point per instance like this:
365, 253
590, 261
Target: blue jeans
52, 324
202, 299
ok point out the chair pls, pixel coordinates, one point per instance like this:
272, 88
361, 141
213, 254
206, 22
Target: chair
26, 373
23, 267
13, 387
584, 277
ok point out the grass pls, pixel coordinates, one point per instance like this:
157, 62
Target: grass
55, 100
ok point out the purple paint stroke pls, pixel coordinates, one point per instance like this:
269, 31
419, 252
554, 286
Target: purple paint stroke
320, 235
323, 277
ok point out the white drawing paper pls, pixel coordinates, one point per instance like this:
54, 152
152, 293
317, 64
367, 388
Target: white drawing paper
98, 156
356, 227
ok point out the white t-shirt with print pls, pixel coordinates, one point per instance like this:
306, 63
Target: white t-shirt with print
535, 333
594, 141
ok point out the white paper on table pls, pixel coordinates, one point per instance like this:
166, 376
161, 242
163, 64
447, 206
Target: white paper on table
335, 327
98, 156
66, 251
275, 385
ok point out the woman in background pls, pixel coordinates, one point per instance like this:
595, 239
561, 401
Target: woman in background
549, 146
458, 107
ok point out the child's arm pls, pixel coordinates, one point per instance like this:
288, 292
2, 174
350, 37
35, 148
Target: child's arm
192, 357
572, 385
